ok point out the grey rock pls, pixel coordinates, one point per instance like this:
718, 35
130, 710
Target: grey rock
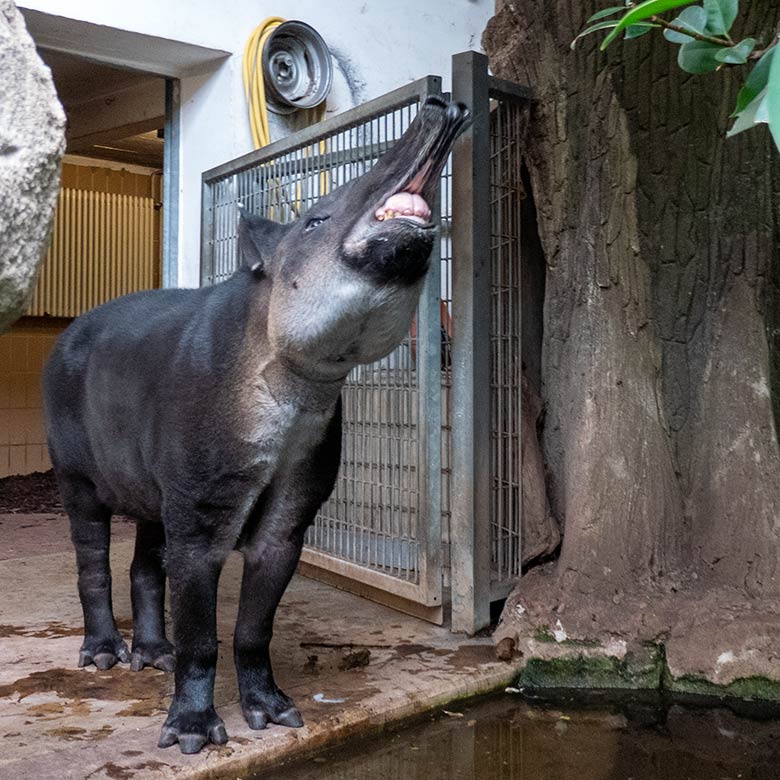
32, 142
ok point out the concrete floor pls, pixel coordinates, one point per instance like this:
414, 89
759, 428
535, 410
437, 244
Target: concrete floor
58, 721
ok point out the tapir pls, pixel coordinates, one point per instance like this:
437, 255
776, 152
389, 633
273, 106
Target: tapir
212, 417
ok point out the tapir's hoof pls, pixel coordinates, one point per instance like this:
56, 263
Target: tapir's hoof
290, 718
258, 719
192, 730
271, 708
104, 653
159, 655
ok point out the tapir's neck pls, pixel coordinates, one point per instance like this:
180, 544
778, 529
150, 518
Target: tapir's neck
288, 386
258, 364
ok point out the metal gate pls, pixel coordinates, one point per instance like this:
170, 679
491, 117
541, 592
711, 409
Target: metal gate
386, 530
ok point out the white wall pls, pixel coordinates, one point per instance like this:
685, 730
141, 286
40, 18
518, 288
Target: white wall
382, 45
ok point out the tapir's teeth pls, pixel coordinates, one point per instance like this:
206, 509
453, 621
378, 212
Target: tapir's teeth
406, 204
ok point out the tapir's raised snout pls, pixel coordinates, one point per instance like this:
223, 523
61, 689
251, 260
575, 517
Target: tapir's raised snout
394, 237
413, 166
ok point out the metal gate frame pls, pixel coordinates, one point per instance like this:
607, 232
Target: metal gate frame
478, 574
474, 548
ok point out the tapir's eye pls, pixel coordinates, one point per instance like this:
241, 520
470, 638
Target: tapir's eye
314, 222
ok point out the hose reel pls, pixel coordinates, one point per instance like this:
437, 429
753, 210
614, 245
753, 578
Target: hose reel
287, 68
297, 68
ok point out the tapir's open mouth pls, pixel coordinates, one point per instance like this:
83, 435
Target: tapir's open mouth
408, 202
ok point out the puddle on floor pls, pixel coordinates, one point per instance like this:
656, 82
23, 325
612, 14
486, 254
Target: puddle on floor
628, 737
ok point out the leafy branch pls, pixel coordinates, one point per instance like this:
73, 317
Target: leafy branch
688, 33
703, 35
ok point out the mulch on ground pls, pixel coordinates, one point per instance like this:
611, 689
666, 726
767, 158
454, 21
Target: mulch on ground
30, 494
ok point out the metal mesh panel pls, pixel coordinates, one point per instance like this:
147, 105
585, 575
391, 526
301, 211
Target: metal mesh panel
371, 518
374, 516
505, 379
286, 186
395, 499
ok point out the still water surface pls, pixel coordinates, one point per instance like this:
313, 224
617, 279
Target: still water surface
509, 738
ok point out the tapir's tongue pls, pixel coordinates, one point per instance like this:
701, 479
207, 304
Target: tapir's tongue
405, 204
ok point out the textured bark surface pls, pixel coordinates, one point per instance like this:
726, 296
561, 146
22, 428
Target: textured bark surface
658, 359
541, 535
32, 142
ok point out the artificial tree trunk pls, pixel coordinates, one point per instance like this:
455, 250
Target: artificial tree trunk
659, 326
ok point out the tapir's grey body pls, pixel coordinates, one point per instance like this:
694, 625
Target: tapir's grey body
213, 417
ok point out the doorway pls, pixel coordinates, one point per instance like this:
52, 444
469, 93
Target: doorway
111, 233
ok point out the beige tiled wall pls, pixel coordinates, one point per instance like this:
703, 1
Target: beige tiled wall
23, 352
25, 348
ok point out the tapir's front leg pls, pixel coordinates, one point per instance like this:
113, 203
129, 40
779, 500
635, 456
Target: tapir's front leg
268, 566
195, 555
271, 553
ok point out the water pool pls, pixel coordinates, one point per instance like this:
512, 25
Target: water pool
598, 737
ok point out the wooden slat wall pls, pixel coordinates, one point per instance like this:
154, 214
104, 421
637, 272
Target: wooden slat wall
103, 246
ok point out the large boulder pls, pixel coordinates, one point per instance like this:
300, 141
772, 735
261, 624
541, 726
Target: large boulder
32, 142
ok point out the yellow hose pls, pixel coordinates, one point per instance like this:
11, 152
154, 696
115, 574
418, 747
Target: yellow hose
254, 86
254, 92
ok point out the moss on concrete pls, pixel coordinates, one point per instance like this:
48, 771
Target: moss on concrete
641, 669
644, 668
543, 635
750, 688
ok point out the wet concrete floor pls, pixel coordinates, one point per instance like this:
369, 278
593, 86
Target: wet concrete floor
351, 666
508, 738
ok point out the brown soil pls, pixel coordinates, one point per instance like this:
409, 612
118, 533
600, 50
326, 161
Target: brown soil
30, 494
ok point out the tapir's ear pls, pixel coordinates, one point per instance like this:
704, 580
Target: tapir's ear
257, 239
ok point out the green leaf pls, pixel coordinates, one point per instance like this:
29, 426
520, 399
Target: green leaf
693, 19
773, 100
606, 12
737, 55
638, 30
720, 15
753, 114
698, 57
762, 113
593, 28
756, 81
641, 12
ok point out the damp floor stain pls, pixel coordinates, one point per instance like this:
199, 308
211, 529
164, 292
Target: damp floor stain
52, 630
112, 771
601, 737
78, 734
53, 710
406, 649
146, 692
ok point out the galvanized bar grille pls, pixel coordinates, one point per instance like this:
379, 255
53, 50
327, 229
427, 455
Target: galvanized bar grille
285, 187
102, 246
373, 516
388, 522
506, 369
377, 517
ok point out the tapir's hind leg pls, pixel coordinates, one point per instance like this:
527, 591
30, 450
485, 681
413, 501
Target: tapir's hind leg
147, 574
90, 528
